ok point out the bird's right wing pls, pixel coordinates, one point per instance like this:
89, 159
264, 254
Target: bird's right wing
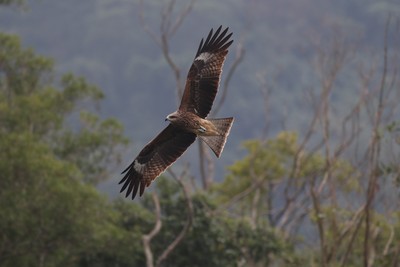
154, 158
205, 73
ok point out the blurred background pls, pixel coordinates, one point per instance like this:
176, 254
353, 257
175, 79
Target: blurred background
309, 175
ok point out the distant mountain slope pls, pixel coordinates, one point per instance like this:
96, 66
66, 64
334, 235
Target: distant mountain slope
105, 42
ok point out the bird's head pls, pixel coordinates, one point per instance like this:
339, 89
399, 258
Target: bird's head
172, 117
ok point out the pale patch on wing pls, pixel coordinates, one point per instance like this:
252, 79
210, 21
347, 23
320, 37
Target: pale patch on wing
138, 166
205, 56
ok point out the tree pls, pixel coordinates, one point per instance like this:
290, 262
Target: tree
49, 214
337, 175
214, 239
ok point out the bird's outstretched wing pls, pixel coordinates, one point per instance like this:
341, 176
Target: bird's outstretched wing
204, 74
154, 158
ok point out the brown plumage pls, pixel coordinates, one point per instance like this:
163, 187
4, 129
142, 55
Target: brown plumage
189, 121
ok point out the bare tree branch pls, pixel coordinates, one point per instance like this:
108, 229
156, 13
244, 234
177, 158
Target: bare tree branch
167, 30
189, 218
146, 239
146, 27
185, 11
375, 154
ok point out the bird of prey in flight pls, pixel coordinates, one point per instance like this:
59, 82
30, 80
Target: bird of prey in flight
189, 121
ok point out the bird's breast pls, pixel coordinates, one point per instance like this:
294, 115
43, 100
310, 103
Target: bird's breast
192, 123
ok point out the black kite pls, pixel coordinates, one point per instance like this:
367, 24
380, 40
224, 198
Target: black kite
189, 121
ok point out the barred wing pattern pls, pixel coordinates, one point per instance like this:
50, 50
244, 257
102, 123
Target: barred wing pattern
204, 74
154, 158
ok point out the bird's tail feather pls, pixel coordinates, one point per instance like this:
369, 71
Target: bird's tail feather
217, 142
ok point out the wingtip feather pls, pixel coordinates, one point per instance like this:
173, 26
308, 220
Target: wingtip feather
142, 187
215, 41
135, 188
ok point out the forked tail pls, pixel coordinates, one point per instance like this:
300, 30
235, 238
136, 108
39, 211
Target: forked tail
217, 142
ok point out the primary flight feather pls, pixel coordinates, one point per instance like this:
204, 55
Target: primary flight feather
189, 121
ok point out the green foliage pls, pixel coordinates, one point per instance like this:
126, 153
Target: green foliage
30, 104
277, 173
45, 210
122, 246
214, 239
265, 162
48, 216
273, 161
93, 147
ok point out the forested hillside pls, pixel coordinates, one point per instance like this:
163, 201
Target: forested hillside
310, 174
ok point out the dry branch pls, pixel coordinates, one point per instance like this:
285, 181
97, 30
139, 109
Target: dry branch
147, 238
189, 218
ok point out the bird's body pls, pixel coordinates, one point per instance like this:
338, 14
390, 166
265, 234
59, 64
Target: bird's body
212, 131
193, 123
189, 121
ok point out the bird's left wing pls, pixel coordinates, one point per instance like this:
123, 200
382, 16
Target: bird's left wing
154, 158
204, 74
